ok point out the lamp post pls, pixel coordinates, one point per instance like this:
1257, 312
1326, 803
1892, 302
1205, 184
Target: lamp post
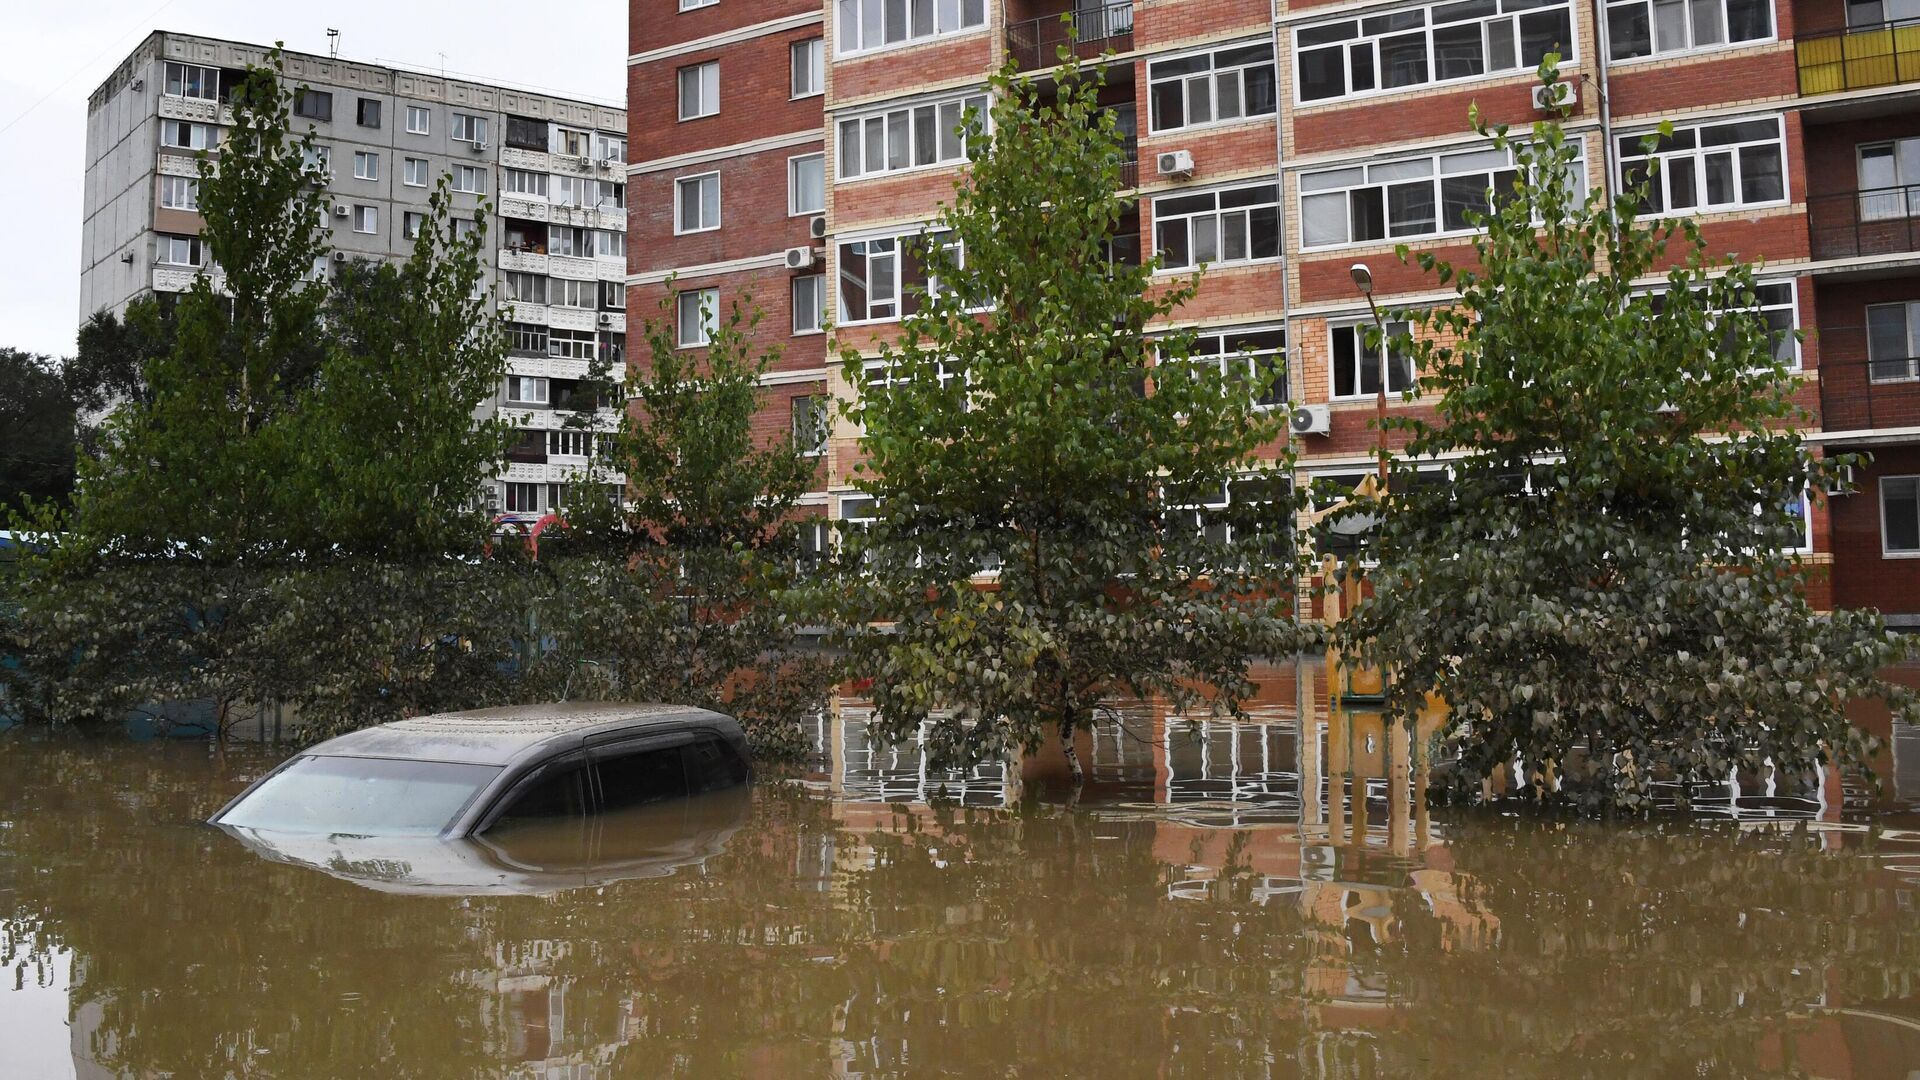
1363, 281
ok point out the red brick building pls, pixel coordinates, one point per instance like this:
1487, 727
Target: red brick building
782, 151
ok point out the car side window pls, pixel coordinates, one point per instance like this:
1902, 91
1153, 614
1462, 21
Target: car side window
713, 765
562, 794
641, 777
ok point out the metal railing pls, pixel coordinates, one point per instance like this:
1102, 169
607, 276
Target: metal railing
1130, 163
1877, 54
1085, 32
1871, 221
1857, 395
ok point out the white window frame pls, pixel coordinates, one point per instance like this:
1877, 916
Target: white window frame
581, 250
895, 258
207, 132
209, 77
1219, 232
820, 411
794, 209
1358, 328
1214, 76
517, 385
1886, 551
414, 172
864, 131
366, 165
411, 222
696, 5
366, 219
809, 56
163, 251
526, 288
818, 307
1370, 41
1655, 52
468, 128
1695, 158
708, 312
422, 114
1887, 202
680, 183
706, 77
610, 148
460, 172
573, 293
1398, 172
1910, 321
1244, 362
571, 344
179, 193
1791, 306
947, 19
609, 244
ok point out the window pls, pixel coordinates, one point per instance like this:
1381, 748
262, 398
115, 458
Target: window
808, 60
570, 443
610, 195
1462, 40
366, 166
525, 498
469, 128
419, 120
179, 193
1900, 515
576, 294
526, 289
569, 240
712, 765
613, 296
366, 219
1893, 341
411, 222
809, 303
1888, 173
1244, 508
527, 389
636, 779
1356, 368
698, 311
177, 250
527, 337
192, 80
186, 136
609, 244
1775, 308
695, 5
570, 344
470, 178
319, 161
810, 417
1233, 225
806, 185
415, 172
875, 24
696, 203
1211, 87
572, 190
314, 105
906, 138
1254, 356
1421, 196
367, 112
700, 90
1657, 27
1876, 13
560, 793
881, 277
610, 148
1709, 167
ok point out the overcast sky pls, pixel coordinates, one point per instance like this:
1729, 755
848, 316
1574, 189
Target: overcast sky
54, 52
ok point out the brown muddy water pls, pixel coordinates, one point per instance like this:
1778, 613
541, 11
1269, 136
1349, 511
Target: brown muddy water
1205, 909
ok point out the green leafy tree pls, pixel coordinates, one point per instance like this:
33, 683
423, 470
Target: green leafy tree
36, 430
1034, 420
1605, 587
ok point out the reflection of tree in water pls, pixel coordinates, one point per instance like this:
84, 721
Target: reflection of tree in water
885, 941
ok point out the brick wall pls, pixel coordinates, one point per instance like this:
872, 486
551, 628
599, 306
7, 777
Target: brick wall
753, 209
1862, 577
755, 84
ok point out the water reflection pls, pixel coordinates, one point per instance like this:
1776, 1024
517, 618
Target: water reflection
1214, 905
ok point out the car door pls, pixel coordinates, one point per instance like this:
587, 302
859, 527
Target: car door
631, 773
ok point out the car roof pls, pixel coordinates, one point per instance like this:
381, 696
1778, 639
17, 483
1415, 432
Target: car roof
504, 735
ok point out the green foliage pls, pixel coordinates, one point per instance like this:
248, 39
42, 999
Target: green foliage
36, 430
1011, 427
1605, 585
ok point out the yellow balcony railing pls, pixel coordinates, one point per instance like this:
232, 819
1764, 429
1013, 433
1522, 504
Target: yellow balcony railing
1880, 54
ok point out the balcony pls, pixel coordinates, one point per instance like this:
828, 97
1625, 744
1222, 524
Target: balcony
1871, 221
1859, 57
1086, 32
1858, 395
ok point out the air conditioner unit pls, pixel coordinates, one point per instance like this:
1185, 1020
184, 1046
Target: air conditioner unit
480, 146
340, 210
817, 227
339, 256
1176, 164
1311, 420
1559, 94
606, 319
800, 258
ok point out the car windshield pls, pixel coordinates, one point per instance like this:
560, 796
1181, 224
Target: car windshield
366, 796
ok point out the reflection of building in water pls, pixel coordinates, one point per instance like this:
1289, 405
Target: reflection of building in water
863, 767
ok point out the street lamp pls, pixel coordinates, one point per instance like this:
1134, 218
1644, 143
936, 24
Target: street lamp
1363, 281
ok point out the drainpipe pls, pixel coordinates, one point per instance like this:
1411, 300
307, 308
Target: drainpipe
1607, 148
1280, 112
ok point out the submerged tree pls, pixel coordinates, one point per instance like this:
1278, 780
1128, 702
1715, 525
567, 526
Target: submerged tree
1606, 587
1067, 504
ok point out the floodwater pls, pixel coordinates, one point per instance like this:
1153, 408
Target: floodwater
1205, 909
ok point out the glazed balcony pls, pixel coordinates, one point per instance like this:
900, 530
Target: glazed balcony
1859, 57
1870, 221
1085, 31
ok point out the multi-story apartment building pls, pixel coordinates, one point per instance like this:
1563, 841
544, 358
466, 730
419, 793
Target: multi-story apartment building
1299, 137
552, 169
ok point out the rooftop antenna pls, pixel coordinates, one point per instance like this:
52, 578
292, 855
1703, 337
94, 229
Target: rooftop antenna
443, 65
333, 43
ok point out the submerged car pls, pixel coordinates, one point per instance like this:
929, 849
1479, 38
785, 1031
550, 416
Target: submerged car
457, 775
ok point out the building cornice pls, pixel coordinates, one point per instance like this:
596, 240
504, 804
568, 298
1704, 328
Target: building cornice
727, 37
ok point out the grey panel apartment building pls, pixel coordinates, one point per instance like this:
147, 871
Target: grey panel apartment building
553, 168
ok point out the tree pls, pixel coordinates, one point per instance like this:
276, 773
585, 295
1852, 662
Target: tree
677, 592
1039, 421
1605, 586
36, 431
110, 362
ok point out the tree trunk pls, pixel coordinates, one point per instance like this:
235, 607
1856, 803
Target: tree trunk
1074, 771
